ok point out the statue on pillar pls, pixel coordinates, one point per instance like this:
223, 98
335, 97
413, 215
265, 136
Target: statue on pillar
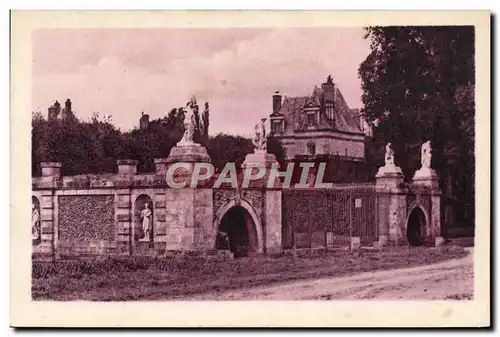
426, 175
260, 141
426, 155
35, 223
390, 167
189, 127
146, 218
389, 155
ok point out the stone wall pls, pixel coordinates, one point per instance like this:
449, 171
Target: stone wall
89, 215
92, 215
86, 217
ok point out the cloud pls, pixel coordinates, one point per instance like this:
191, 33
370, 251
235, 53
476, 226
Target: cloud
236, 72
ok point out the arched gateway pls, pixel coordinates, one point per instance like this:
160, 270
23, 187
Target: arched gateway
238, 229
415, 228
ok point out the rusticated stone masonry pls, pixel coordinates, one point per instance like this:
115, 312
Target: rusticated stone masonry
86, 217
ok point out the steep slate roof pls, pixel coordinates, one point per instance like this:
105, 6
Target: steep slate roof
295, 120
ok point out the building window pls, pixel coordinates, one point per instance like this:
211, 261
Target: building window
329, 111
311, 149
311, 119
277, 127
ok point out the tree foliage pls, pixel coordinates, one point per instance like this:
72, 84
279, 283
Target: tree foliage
418, 85
94, 146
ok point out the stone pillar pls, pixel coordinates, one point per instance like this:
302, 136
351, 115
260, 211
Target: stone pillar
189, 217
273, 221
51, 172
124, 222
436, 217
188, 211
160, 225
261, 160
46, 248
127, 166
179, 216
391, 198
427, 181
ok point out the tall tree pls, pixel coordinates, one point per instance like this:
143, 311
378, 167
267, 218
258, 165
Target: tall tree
418, 85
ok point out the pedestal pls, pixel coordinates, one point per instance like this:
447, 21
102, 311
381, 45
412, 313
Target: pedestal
193, 152
391, 176
256, 162
189, 155
426, 177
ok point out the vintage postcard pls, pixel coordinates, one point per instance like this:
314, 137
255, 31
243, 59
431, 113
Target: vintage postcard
250, 169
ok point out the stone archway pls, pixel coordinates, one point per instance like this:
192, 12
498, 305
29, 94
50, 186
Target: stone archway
239, 222
416, 227
139, 207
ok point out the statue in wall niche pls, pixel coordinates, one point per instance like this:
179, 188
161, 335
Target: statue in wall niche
389, 155
260, 140
35, 223
426, 155
146, 218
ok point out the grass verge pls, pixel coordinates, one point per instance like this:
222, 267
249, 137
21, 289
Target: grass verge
143, 278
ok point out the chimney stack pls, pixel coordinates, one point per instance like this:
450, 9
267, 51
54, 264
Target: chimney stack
67, 105
276, 102
144, 121
328, 89
54, 111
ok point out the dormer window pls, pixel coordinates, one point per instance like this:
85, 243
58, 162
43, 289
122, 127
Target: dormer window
329, 111
311, 119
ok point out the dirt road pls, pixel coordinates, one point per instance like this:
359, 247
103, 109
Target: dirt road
452, 279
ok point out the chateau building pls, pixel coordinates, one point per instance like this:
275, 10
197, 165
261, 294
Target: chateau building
318, 124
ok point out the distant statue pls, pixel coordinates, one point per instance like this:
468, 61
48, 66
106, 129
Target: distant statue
193, 105
389, 155
426, 155
35, 223
205, 122
146, 218
260, 140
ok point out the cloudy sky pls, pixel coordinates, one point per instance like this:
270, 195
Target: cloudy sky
121, 72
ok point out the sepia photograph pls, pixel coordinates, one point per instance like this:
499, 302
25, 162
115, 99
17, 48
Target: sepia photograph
219, 163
